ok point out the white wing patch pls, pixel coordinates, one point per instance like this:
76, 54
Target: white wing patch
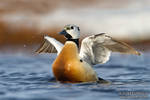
50, 45
97, 48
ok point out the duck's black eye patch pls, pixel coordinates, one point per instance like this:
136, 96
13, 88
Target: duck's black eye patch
71, 27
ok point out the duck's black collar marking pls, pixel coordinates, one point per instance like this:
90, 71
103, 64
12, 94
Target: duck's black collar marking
74, 40
69, 38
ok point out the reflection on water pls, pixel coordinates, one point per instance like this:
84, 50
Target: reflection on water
29, 77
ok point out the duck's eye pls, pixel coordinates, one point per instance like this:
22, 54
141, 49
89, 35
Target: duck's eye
71, 27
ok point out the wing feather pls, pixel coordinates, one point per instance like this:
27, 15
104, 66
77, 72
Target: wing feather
119, 46
46, 47
50, 45
97, 48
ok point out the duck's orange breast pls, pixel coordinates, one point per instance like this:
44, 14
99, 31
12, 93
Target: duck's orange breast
68, 68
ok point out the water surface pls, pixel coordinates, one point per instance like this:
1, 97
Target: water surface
29, 77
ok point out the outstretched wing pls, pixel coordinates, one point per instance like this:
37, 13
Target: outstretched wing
50, 45
97, 48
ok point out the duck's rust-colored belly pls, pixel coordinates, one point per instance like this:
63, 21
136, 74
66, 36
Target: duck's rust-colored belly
68, 68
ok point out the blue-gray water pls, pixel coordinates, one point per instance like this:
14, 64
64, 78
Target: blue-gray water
29, 77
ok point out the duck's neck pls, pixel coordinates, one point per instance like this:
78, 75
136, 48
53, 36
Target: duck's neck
74, 40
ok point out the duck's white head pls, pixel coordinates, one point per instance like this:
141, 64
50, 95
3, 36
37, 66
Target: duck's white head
71, 31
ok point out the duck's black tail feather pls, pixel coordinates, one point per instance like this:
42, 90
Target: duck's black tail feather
102, 81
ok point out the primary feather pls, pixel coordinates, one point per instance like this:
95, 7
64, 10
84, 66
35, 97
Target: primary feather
50, 45
97, 48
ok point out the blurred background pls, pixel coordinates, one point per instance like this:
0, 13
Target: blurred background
26, 75
23, 23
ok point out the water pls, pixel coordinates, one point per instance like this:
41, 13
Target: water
29, 77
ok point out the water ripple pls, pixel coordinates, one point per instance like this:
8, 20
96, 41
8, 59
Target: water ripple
24, 77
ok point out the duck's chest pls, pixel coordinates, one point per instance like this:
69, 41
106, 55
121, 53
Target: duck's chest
68, 71
67, 67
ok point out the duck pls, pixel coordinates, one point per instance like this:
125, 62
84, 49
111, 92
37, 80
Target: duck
74, 63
